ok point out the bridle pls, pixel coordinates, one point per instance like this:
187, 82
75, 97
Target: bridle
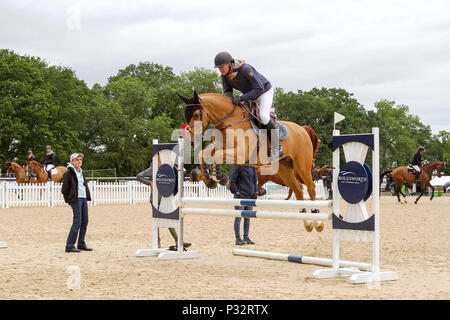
199, 106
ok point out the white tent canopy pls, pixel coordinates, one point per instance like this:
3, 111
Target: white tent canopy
436, 181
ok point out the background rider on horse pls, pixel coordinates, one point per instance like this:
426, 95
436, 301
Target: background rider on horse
239, 75
417, 162
49, 162
30, 157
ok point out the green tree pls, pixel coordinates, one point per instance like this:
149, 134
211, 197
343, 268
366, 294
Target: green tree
315, 108
400, 133
39, 105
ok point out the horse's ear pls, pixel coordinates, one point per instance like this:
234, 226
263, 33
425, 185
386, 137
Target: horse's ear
186, 100
196, 97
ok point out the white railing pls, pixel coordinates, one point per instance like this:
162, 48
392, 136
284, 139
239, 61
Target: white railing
131, 192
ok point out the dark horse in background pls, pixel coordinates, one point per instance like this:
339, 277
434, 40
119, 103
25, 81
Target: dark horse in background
401, 175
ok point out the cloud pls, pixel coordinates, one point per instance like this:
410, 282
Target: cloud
396, 50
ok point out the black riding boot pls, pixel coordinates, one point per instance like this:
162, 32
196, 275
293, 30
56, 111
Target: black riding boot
50, 176
275, 154
417, 177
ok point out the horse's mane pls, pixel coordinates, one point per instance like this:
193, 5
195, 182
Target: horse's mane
433, 162
37, 163
215, 95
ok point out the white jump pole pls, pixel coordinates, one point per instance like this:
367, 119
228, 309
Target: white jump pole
300, 259
256, 214
3, 245
293, 204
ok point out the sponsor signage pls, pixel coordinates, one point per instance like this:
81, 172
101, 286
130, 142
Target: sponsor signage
353, 182
166, 180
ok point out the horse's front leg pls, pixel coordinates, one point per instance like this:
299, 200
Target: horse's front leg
224, 156
400, 192
205, 174
432, 191
421, 193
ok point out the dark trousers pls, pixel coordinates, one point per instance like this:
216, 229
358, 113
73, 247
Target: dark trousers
79, 225
237, 223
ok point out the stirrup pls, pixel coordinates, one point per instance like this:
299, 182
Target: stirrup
277, 154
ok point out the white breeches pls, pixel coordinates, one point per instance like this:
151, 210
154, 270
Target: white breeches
265, 104
49, 167
416, 168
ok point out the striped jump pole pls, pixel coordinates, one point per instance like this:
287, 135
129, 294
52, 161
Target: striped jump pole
300, 259
293, 204
256, 214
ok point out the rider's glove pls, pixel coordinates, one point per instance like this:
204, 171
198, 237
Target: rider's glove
236, 100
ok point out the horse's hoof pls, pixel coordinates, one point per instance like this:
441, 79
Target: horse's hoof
309, 226
303, 210
224, 182
319, 226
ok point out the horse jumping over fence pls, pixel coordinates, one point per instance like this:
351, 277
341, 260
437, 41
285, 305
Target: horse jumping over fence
401, 175
298, 149
42, 176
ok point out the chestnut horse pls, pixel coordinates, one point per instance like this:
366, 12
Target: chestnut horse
400, 175
42, 176
298, 149
19, 172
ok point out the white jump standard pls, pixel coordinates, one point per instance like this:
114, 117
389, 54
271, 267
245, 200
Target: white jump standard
353, 183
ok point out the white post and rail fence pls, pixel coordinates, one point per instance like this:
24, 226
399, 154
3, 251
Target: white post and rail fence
130, 192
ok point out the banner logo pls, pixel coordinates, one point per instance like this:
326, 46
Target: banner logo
166, 180
353, 182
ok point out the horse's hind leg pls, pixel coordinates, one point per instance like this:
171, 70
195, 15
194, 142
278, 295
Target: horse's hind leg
287, 175
305, 174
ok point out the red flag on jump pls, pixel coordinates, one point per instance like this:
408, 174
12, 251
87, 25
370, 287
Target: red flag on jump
183, 128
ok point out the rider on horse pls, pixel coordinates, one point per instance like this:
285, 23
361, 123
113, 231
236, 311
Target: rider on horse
417, 162
49, 162
239, 75
30, 157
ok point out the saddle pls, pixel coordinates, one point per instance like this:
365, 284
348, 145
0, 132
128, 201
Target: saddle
51, 172
257, 125
411, 171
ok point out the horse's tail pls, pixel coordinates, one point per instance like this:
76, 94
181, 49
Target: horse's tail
314, 139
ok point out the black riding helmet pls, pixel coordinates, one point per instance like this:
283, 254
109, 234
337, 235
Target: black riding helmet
222, 58
421, 148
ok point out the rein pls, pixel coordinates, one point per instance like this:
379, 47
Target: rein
215, 126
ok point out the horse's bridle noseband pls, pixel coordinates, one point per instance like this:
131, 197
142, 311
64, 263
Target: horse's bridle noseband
198, 106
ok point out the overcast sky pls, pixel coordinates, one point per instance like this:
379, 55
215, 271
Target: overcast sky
395, 50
